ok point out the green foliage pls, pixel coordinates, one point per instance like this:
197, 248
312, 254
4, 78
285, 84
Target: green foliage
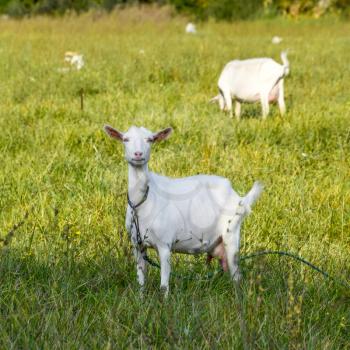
222, 9
23, 7
234, 10
67, 277
201, 9
247, 9
314, 7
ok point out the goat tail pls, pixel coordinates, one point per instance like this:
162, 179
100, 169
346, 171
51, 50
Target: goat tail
285, 61
252, 196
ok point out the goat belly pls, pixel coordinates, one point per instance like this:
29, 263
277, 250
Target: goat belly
196, 244
252, 97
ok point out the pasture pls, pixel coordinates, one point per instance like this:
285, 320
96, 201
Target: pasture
67, 275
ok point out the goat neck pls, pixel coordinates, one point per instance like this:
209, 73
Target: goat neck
137, 182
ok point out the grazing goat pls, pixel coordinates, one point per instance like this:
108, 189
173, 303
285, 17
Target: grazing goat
198, 214
191, 28
75, 59
252, 80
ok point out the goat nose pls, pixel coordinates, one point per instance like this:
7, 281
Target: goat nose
138, 154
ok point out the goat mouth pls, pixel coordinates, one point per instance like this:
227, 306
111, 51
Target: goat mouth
138, 159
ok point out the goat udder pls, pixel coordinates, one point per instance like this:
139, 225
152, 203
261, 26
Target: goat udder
274, 93
219, 252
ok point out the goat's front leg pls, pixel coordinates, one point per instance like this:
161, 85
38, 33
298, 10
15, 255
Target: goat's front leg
228, 102
141, 266
281, 103
164, 257
222, 102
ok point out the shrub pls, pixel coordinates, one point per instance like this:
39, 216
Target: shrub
201, 9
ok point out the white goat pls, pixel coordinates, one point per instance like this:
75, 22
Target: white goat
198, 214
276, 40
75, 59
252, 80
191, 28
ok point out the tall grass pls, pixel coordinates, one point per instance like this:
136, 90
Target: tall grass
67, 277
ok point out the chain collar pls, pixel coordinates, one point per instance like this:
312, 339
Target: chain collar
134, 206
135, 218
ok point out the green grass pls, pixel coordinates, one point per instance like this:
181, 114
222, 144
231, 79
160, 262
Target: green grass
67, 277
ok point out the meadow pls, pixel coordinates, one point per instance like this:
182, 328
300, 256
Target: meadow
67, 275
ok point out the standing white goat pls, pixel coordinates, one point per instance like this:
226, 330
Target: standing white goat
252, 80
198, 214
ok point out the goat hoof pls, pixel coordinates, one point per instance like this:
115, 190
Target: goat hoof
237, 277
142, 291
164, 291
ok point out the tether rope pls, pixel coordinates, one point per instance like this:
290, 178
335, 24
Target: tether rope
269, 252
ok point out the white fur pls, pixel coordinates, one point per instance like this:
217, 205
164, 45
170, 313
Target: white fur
75, 59
276, 40
187, 215
252, 80
191, 28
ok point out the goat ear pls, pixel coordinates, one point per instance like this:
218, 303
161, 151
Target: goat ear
161, 135
115, 134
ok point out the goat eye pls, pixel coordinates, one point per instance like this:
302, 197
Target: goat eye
125, 139
149, 139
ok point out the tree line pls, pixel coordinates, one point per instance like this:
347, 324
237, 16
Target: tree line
200, 9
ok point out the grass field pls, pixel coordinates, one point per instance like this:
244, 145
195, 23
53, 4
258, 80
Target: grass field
67, 276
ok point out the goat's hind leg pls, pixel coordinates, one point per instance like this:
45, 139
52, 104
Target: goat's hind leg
281, 104
231, 240
264, 99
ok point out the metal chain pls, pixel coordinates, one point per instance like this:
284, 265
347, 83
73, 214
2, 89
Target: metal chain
135, 220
